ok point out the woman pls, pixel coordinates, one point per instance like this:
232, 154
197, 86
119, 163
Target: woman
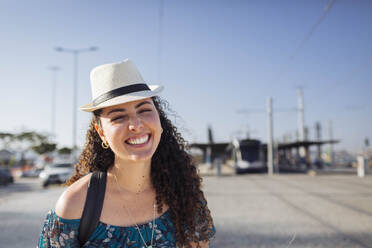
152, 195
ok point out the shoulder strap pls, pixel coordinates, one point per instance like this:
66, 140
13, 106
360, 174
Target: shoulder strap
93, 206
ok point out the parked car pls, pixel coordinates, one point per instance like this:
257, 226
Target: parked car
56, 173
34, 172
5, 176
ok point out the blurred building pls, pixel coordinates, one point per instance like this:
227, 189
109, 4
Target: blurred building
6, 157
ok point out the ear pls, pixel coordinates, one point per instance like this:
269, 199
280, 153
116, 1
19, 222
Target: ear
99, 131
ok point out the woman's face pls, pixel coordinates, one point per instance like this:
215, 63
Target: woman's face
132, 129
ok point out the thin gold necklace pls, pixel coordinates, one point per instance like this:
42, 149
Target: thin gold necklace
128, 213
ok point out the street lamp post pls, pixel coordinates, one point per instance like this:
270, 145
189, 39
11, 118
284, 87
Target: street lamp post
75, 53
270, 142
54, 70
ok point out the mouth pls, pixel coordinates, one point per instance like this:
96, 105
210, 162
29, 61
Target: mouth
139, 141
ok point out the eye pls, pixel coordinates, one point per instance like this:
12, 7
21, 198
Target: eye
145, 110
119, 117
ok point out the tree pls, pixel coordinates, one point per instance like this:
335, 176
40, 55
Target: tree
44, 147
25, 141
32, 140
6, 139
65, 150
31, 137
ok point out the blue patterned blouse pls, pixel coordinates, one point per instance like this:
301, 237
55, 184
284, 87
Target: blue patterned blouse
59, 232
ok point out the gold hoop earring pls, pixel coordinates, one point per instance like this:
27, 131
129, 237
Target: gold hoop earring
104, 144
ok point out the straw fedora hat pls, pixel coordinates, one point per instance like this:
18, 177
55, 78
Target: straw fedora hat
118, 83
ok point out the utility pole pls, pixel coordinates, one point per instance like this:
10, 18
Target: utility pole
331, 154
75, 53
160, 39
270, 141
209, 148
301, 121
318, 131
54, 70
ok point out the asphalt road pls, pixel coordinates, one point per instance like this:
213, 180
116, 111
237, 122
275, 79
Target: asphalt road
255, 211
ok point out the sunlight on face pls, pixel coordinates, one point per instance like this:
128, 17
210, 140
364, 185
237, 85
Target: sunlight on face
132, 129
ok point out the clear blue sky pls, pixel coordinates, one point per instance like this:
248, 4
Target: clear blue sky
217, 57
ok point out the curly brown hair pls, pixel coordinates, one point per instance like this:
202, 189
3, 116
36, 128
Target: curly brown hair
173, 174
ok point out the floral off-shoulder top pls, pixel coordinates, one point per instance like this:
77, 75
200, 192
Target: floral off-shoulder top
59, 232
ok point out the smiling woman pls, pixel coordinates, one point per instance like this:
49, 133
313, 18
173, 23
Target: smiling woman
134, 184
136, 123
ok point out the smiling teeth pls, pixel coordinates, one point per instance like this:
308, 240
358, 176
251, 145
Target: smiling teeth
138, 141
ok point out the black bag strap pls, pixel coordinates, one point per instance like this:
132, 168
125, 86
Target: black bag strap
93, 206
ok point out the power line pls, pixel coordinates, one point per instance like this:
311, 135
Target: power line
310, 33
160, 39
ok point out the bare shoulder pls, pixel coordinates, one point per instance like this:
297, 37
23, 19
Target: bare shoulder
203, 244
71, 203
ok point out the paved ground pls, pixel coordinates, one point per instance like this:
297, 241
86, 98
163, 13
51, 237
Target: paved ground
251, 210
306, 211
23, 206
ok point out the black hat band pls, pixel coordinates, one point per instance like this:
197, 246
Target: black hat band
119, 92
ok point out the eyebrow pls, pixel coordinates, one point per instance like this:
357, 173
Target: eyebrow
123, 109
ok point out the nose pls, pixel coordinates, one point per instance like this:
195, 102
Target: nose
135, 124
